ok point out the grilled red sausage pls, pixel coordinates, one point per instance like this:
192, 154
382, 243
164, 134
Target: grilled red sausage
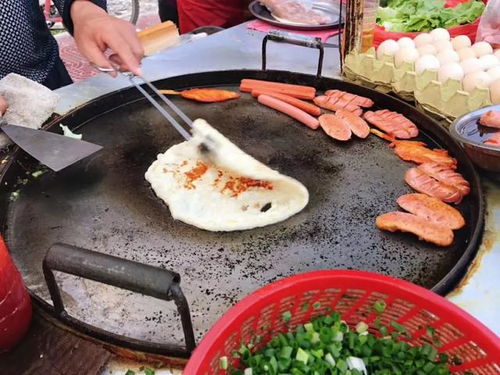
393, 123
335, 127
432, 210
404, 222
289, 110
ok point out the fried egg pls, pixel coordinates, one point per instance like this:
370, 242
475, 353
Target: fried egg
227, 190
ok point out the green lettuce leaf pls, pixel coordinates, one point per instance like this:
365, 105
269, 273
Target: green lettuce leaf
425, 15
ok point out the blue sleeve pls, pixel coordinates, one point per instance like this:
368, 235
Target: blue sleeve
63, 6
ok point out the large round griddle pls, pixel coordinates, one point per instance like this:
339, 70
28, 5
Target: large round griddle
104, 204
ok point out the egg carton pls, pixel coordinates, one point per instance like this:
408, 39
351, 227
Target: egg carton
443, 101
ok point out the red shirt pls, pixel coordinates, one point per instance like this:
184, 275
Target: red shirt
223, 13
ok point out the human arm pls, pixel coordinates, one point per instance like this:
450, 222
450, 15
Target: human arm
95, 31
3, 105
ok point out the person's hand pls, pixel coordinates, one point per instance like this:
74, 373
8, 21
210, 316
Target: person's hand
3, 105
95, 31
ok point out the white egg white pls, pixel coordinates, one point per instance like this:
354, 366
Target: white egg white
388, 47
427, 62
405, 55
489, 61
471, 65
476, 79
442, 45
422, 39
494, 73
451, 70
440, 34
482, 48
213, 201
427, 49
447, 56
461, 41
495, 91
466, 53
406, 42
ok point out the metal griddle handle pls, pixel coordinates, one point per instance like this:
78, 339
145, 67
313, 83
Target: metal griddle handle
122, 273
298, 40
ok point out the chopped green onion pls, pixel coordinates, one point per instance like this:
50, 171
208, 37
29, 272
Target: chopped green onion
130, 372
148, 371
361, 327
355, 363
38, 173
223, 363
330, 359
315, 338
309, 327
339, 336
316, 305
326, 346
379, 307
287, 315
302, 356
68, 133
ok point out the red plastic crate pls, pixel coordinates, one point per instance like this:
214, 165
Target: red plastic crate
469, 30
352, 294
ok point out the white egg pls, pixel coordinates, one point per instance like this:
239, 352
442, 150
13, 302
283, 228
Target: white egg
495, 91
451, 70
476, 79
422, 39
471, 65
466, 53
405, 55
460, 42
427, 49
406, 42
440, 34
494, 73
482, 48
427, 62
387, 47
442, 45
489, 61
447, 56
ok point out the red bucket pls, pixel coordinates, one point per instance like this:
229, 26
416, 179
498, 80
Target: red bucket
352, 294
15, 302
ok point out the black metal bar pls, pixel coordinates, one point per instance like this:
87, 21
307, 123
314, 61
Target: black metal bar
295, 39
183, 308
122, 273
341, 32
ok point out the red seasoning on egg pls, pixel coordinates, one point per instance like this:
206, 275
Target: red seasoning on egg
239, 185
195, 174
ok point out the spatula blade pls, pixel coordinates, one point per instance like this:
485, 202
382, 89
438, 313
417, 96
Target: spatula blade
54, 150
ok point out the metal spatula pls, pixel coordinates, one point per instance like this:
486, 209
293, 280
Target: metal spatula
54, 150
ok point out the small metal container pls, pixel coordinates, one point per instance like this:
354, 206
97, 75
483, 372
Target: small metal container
467, 131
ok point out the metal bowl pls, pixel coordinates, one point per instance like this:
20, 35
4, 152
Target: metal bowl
467, 131
332, 9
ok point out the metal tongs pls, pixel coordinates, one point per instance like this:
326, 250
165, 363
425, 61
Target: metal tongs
203, 147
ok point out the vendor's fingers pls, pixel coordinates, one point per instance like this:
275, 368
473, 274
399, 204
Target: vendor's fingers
135, 44
3, 105
128, 59
97, 57
118, 62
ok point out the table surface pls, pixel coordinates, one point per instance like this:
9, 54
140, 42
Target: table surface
240, 48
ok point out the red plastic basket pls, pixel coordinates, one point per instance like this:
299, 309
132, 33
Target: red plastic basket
469, 30
352, 294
